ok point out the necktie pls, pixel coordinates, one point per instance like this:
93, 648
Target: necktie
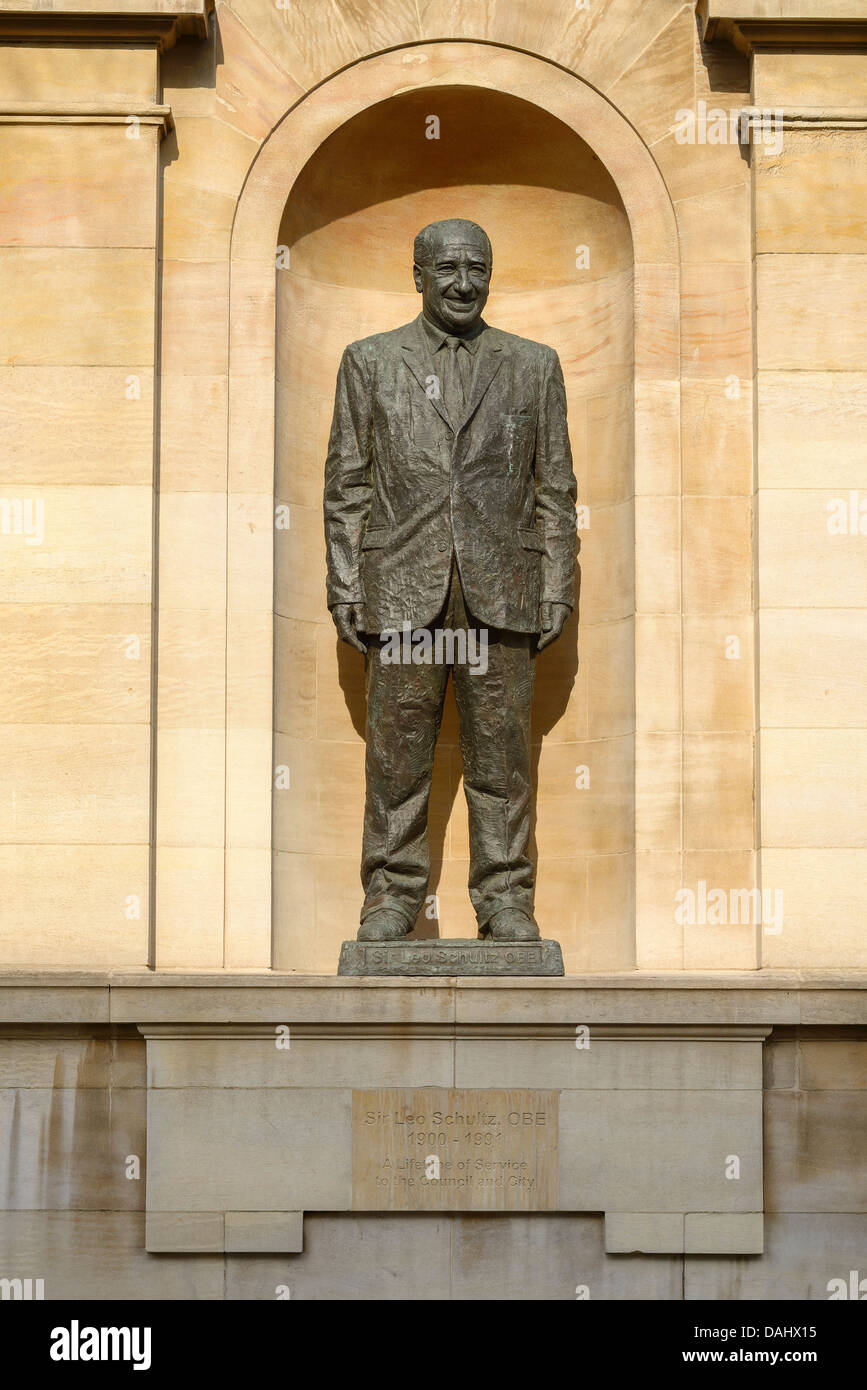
454, 379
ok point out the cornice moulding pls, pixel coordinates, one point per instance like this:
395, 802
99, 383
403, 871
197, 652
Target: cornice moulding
147, 21
817, 118
85, 113
819, 26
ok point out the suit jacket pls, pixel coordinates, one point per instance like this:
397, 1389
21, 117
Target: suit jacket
406, 487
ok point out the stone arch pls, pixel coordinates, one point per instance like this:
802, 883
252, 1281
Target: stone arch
253, 354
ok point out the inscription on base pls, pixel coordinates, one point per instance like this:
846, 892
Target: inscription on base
450, 957
433, 1149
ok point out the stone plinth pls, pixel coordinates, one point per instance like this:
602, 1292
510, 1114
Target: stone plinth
457, 957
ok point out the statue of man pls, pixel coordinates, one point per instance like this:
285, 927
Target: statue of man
450, 531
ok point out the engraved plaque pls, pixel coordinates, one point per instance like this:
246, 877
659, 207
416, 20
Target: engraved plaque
434, 1149
450, 957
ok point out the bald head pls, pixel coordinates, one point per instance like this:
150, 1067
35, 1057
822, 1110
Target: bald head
452, 273
432, 237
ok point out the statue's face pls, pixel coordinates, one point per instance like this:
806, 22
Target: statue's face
454, 282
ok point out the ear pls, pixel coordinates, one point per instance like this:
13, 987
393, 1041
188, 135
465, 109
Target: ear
416, 275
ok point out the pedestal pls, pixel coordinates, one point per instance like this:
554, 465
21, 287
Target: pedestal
458, 957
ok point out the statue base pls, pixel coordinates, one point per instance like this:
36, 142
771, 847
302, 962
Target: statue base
450, 957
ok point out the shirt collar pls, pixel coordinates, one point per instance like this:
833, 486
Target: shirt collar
437, 336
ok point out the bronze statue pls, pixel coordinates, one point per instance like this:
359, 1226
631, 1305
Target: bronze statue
450, 530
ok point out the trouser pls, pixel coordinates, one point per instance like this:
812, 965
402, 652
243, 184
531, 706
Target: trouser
404, 711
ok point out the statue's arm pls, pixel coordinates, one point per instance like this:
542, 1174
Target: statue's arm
556, 494
348, 490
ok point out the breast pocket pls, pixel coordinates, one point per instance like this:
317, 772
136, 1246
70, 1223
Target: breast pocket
425, 424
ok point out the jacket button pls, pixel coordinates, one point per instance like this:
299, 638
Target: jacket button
442, 545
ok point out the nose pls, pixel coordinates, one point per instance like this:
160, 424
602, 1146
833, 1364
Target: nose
463, 280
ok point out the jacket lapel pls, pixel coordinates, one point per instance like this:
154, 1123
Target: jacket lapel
417, 356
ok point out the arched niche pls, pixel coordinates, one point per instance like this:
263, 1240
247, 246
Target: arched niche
562, 275
550, 168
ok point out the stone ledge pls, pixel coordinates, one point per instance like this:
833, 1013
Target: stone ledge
814, 118
230, 1232
600, 1032
717, 998
689, 1233
143, 977
282, 1232
86, 113
723, 1233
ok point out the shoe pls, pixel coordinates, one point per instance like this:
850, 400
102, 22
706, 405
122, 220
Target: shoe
512, 925
383, 925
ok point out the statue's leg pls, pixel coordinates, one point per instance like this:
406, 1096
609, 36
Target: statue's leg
404, 711
494, 707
